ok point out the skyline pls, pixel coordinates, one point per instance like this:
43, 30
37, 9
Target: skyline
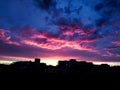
55, 62
60, 30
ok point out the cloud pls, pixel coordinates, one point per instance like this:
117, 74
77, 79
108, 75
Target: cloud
117, 43
5, 37
46, 4
22, 51
31, 52
69, 36
75, 28
42, 44
27, 31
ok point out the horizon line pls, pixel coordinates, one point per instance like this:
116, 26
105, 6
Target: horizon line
55, 62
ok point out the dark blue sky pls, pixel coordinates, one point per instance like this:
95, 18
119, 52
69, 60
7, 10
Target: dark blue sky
61, 29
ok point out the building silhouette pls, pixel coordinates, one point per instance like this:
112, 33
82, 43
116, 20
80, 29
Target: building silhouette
68, 72
37, 60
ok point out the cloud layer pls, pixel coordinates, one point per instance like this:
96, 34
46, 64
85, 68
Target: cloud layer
55, 28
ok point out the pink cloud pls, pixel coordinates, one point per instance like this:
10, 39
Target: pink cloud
114, 49
77, 33
55, 43
111, 54
116, 43
66, 38
30, 37
71, 42
6, 38
3, 35
70, 30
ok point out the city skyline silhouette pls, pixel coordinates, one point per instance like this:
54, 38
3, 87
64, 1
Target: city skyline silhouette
67, 74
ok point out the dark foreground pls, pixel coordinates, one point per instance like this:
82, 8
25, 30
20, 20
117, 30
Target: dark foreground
68, 74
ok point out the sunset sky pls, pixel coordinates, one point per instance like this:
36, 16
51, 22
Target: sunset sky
87, 30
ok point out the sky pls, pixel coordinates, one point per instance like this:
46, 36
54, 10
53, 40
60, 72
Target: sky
86, 30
